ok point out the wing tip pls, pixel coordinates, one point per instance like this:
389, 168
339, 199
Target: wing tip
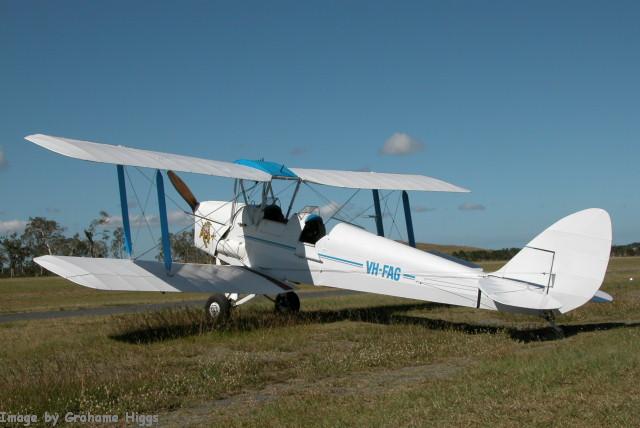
34, 137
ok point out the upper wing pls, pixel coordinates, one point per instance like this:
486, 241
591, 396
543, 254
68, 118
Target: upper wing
375, 180
121, 155
129, 275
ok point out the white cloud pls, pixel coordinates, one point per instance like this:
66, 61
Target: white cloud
328, 210
3, 159
401, 144
179, 218
468, 206
298, 151
11, 226
422, 209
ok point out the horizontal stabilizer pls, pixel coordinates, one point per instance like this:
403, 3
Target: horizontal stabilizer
602, 297
517, 294
141, 275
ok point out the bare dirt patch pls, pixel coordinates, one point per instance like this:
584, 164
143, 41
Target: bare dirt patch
368, 383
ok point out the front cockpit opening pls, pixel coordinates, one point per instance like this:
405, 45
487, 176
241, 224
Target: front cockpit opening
313, 230
273, 212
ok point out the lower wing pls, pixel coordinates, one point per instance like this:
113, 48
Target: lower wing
140, 275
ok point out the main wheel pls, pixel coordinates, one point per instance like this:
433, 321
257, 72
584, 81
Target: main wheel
287, 302
217, 308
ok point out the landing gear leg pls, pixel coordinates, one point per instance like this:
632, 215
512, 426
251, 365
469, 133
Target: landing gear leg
287, 303
551, 319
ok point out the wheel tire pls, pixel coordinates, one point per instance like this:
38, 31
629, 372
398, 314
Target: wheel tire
287, 303
217, 309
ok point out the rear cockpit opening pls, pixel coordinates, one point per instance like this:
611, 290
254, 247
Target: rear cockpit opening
313, 230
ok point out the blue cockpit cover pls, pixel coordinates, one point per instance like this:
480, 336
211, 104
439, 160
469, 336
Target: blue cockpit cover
273, 168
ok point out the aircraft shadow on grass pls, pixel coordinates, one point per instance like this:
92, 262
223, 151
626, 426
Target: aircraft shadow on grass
166, 327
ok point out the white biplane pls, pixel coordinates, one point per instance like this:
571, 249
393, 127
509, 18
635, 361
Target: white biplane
260, 250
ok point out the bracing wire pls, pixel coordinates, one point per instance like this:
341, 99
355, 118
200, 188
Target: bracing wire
343, 205
142, 207
157, 245
382, 198
152, 181
146, 203
251, 191
385, 210
393, 218
327, 200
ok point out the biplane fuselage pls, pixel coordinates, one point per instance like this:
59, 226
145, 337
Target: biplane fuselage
347, 256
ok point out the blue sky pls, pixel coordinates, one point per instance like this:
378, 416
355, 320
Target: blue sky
534, 106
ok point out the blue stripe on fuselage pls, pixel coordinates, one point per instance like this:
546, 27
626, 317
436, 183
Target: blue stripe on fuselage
338, 259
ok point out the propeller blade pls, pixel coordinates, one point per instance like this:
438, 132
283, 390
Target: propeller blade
183, 190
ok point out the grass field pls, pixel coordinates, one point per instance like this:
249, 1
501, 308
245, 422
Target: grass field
357, 360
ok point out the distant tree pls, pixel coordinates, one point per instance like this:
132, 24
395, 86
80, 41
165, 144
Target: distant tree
628, 250
75, 246
3, 259
42, 235
183, 250
97, 240
16, 252
484, 255
117, 243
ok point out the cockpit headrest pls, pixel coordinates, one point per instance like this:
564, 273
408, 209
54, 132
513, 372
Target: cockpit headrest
313, 217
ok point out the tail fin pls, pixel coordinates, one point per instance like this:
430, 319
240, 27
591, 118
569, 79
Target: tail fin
569, 259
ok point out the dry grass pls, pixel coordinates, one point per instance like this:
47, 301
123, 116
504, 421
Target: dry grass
353, 360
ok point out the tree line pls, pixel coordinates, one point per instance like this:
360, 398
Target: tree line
44, 236
486, 255
628, 250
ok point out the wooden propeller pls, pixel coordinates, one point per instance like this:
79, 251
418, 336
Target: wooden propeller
183, 190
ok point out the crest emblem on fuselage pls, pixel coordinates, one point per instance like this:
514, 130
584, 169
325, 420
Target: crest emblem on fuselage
206, 233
